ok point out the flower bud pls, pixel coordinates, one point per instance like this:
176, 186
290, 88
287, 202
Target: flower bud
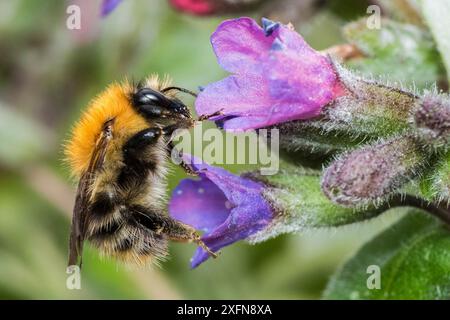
371, 174
434, 186
432, 120
369, 109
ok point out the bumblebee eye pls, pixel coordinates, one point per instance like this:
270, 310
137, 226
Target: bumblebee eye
153, 104
148, 96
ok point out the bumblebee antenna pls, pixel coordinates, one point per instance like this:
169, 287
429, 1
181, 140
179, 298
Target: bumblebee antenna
180, 89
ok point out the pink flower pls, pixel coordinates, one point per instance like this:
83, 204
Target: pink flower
210, 7
198, 7
276, 76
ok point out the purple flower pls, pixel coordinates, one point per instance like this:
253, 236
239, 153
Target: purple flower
227, 207
276, 76
108, 6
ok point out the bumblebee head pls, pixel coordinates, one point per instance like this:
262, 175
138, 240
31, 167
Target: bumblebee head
129, 108
157, 105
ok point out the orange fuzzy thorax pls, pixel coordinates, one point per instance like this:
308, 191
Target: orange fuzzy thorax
113, 103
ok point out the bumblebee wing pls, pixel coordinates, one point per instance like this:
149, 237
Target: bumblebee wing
79, 212
83, 197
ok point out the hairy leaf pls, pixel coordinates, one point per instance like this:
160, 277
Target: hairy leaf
401, 52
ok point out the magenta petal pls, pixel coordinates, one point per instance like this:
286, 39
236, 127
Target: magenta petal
293, 40
303, 79
200, 7
235, 96
199, 203
275, 114
248, 102
243, 123
239, 44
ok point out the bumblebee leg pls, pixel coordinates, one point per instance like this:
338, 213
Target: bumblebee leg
183, 233
171, 228
177, 156
173, 152
204, 117
179, 125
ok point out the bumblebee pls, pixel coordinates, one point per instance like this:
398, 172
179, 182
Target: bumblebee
119, 153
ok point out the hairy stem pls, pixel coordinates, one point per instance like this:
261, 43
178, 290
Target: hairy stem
441, 211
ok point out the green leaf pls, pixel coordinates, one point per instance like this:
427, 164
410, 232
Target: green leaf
414, 260
403, 52
437, 13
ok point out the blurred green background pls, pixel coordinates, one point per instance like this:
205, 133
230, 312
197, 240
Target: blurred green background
48, 74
